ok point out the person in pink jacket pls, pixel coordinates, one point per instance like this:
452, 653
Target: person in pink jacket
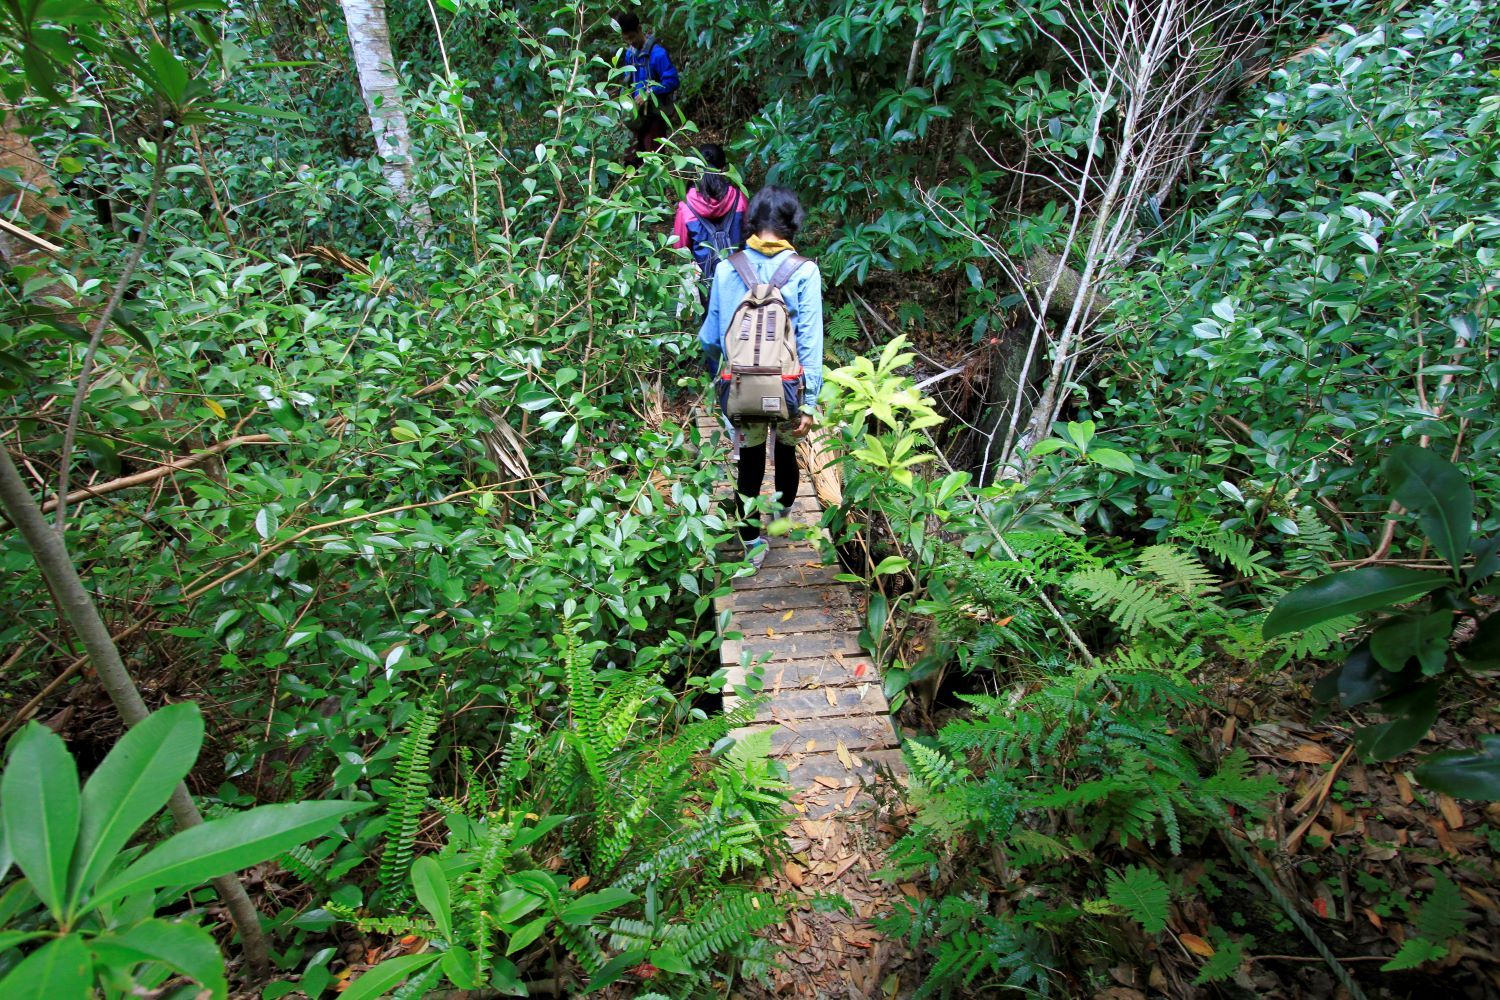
711, 219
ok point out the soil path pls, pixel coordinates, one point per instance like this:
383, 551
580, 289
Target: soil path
830, 725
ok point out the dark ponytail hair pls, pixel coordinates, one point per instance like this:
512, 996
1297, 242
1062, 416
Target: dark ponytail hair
713, 185
777, 210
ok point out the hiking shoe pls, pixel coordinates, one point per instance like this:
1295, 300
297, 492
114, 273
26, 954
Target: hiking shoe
756, 552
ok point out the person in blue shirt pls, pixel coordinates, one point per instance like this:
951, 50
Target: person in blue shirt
653, 82
773, 218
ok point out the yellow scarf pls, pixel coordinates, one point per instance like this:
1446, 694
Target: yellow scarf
768, 247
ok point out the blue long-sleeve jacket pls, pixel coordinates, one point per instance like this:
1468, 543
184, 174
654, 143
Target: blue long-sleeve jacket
804, 306
653, 70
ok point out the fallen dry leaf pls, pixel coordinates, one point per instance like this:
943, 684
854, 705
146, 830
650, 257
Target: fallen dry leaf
788, 616
795, 873
1196, 945
1308, 753
833, 699
812, 745
844, 756
1403, 789
1451, 812
578, 883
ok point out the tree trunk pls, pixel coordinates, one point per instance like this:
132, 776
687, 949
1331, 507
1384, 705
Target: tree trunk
370, 39
78, 610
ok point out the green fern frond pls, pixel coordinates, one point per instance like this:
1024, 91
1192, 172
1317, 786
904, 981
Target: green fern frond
1129, 603
931, 768
1235, 551
1142, 894
393, 925
1032, 847
732, 918
410, 782
1180, 572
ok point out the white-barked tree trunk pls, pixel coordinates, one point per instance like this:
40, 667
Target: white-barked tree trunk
370, 40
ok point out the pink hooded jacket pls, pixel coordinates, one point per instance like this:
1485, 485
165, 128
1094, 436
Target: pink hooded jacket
695, 206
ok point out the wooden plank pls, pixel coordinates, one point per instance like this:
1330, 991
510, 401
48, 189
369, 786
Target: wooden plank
789, 647
786, 598
805, 736
788, 576
804, 769
814, 703
822, 671
815, 672
800, 554
795, 620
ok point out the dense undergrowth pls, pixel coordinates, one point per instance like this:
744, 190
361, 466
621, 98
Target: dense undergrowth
452, 555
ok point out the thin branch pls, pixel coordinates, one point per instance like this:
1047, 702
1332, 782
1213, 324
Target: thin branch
70, 433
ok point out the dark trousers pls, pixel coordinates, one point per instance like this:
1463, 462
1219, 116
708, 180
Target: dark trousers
752, 473
649, 129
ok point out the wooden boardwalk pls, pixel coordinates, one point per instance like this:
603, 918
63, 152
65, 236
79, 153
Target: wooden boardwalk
829, 720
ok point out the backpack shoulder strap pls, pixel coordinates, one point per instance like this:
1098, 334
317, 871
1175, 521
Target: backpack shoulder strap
785, 271
741, 264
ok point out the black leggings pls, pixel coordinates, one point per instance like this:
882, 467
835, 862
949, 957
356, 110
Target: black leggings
752, 473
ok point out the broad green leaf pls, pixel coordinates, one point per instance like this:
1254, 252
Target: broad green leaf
1082, 432
1349, 593
12, 939
891, 564
60, 968
1438, 494
1047, 446
668, 960
131, 785
586, 908
227, 845
1112, 459
526, 934
1416, 711
182, 947
39, 800
461, 968
1362, 680
1420, 637
432, 892
513, 904
380, 980
168, 76
1464, 774
615, 968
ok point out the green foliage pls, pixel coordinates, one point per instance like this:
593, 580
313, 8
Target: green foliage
1400, 667
1356, 181
94, 899
408, 800
973, 949
1142, 895
1440, 918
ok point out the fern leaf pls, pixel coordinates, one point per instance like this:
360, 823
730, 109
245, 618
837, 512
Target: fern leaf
1180, 571
411, 781
1128, 603
1142, 894
1444, 911
1415, 952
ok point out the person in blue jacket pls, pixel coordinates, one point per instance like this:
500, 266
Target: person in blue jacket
773, 218
653, 82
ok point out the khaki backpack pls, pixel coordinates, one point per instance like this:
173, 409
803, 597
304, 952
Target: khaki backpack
761, 381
